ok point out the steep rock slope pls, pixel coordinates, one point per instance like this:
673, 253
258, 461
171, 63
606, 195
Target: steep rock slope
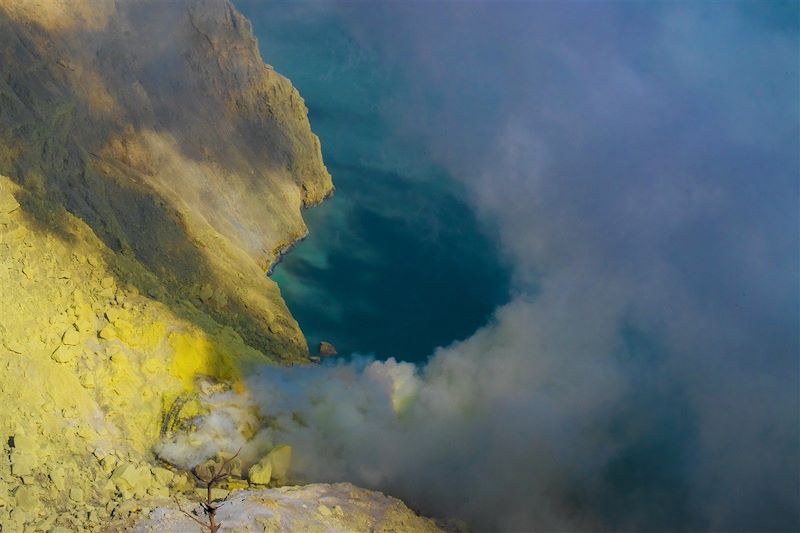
97, 373
92, 367
151, 168
159, 126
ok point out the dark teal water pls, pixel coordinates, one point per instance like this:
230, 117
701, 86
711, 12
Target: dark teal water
396, 263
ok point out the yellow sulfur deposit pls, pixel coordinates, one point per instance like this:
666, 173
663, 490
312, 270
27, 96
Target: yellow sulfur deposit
90, 367
272, 467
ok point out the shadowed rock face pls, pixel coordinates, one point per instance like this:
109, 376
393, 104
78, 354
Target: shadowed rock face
159, 125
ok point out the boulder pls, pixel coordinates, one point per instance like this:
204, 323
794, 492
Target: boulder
64, 354
108, 333
59, 478
231, 464
163, 476
206, 292
327, 349
261, 472
71, 337
222, 466
27, 498
87, 380
130, 478
272, 467
23, 462
114, 314
281, 459
76, 494
84, 323
8, 203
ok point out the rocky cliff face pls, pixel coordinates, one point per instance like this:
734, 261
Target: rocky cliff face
151, 168
159, 126
95, 371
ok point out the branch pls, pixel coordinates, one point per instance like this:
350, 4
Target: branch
224, 471
190, 515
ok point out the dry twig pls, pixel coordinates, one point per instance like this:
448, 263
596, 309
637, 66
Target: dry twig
210, 474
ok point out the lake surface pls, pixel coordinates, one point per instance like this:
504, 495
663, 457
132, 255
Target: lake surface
396, 263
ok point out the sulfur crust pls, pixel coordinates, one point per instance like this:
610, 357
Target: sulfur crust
73, 401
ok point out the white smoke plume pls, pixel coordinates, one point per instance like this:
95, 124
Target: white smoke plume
639, 166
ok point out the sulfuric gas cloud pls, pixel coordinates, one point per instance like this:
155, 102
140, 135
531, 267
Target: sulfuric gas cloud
639, 165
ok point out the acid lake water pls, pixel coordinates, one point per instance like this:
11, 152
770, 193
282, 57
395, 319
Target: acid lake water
395, 263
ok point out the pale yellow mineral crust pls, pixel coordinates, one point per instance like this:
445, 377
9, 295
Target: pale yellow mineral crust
90, 367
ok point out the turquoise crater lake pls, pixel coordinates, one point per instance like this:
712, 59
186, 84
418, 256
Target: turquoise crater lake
395, 263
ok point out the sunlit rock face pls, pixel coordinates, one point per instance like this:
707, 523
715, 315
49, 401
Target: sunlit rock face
159, 125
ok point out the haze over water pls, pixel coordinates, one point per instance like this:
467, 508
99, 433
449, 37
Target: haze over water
395, 263
638, 166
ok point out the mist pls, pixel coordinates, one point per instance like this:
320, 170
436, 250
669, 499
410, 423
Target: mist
639, 166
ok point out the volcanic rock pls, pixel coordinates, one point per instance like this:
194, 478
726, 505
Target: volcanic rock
327, 349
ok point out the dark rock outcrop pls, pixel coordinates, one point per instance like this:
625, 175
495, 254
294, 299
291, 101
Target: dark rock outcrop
326, 349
